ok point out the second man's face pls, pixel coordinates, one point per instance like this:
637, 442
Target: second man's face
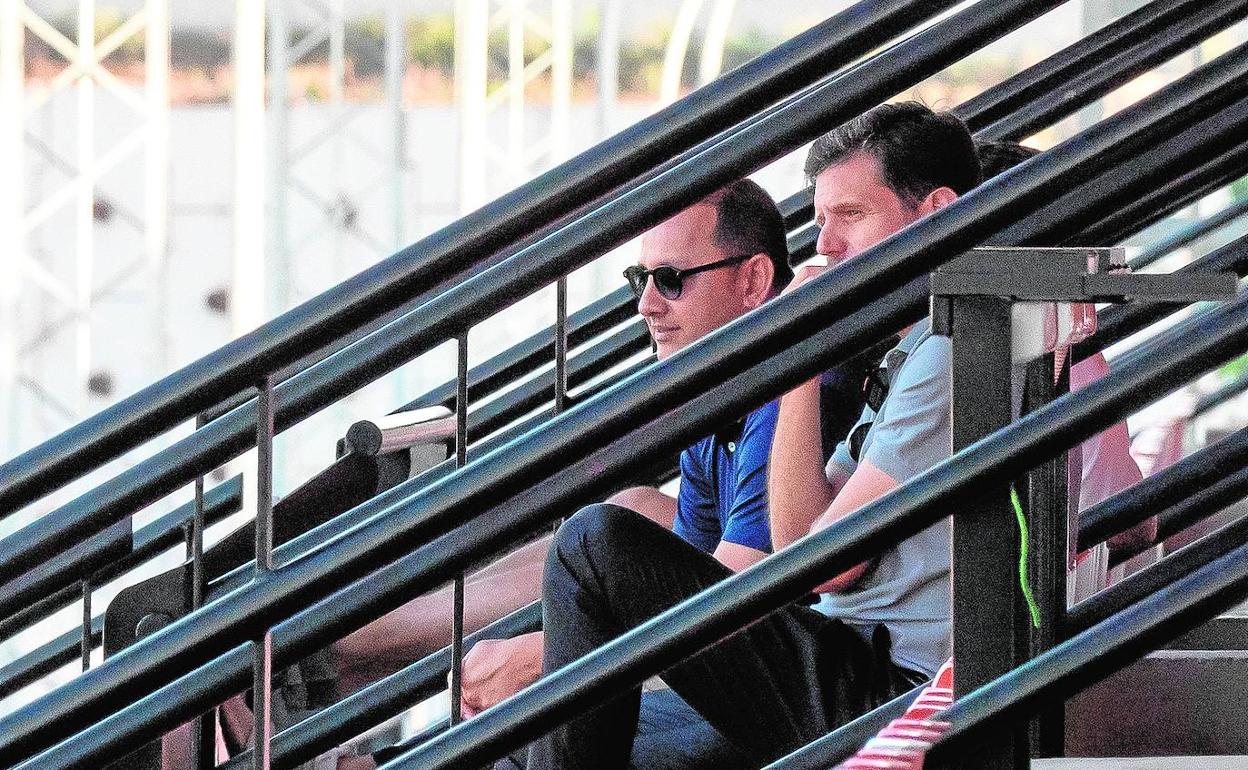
708, 300
855, 210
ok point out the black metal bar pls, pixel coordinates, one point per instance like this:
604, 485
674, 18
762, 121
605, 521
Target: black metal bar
1190, 234
262, 649
1148, 581
457, 611
561, 344
535, 393
783, 577
801, 314
53, 585
223, 499
471, 301
382, 699
734, 96
1213, 174
1094, 654
1118, 323
1200, 505
523, 357
1220, 396
204, 727
988, 639
46, 658
1056, 71
1162, 490
840, 744
1045, 490
1188, 25
1048, 227
87, 638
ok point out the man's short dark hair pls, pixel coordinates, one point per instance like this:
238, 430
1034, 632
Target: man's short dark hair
748, 222
917, 150
999, 157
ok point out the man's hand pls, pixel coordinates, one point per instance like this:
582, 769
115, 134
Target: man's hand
495, 669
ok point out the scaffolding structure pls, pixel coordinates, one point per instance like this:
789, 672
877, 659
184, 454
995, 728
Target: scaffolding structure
46, 375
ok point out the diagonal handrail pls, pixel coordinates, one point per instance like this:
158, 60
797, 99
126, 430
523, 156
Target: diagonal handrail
628, 413
574, 245
747, 596
237, 365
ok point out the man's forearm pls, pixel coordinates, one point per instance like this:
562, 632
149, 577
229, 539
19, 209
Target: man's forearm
798, 491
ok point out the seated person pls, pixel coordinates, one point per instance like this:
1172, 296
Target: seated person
700, 269
880, 627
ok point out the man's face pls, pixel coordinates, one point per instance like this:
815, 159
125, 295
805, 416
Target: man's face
709, 299
855, 210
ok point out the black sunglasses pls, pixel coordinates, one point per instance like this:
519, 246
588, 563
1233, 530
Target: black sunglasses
668, 280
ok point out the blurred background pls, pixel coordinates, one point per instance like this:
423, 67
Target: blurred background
174, 172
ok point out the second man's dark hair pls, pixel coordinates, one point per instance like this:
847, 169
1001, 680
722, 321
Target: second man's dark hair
917, 150
748, 222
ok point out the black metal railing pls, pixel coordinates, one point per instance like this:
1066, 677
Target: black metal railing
224, 676
1009, 95
801, 315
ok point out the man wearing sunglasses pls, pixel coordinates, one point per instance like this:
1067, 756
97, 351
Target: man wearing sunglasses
878, 629
697, 271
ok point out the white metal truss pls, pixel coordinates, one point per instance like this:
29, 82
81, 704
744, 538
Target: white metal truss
337, 133
538, 35
32, 349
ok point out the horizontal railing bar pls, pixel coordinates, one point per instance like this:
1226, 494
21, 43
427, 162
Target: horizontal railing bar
734, 348
1089, 657
1192, 233
793, 205
504, 368
1215, 173
1200, 505
47, 658
1108, 214
1162, 490
219, 375
840, 744
470, 302
1197, 21
1153, 578
111, 552
382, 699
1056, 71
1117, 323
748, 595
313, 538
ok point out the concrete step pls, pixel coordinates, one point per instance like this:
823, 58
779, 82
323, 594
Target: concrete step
1174, 702
1142, 763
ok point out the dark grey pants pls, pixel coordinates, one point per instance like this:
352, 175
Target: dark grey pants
770, 689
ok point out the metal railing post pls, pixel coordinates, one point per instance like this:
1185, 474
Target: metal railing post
461, 459
988, 637
262, 649
1050, 544
203, 731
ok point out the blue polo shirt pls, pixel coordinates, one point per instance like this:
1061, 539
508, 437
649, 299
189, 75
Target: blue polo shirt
723, 485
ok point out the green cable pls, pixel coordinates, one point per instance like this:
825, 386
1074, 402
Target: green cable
1023, 582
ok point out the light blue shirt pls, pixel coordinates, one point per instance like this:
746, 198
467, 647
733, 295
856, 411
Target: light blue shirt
908, 590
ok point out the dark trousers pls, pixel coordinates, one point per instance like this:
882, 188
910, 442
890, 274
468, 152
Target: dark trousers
770, 689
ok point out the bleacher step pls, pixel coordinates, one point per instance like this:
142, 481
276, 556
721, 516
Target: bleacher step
1142, 763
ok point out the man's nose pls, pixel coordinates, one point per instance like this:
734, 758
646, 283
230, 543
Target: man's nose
830, 242
651, 302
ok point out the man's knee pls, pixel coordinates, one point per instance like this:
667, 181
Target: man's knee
595, 536
598, 525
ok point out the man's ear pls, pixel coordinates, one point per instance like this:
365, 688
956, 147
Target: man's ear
937, 199
756, 275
